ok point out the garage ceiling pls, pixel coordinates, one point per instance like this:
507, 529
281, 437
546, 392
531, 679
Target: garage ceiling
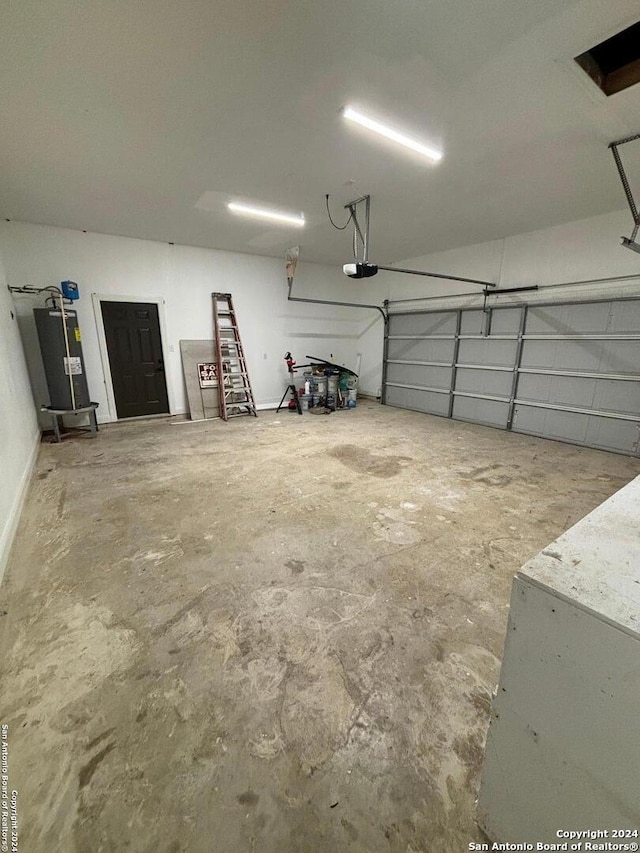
144, 118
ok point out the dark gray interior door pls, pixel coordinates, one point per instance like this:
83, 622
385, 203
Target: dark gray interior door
134, 345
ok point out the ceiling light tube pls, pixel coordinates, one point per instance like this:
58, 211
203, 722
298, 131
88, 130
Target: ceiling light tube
389, 133
263, 213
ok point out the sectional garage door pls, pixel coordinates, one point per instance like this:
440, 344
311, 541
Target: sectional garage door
567, 371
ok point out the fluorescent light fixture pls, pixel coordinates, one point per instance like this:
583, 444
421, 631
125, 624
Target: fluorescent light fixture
383, 130
263, 213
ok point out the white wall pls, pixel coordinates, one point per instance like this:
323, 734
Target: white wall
18, 424
576, 251
584, 249
184, 278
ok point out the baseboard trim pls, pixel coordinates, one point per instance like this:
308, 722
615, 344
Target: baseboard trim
11, 527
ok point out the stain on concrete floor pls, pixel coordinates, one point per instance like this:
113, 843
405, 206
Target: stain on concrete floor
278, 634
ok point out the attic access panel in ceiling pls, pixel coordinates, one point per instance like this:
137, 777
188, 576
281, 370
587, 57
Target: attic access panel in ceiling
614, 64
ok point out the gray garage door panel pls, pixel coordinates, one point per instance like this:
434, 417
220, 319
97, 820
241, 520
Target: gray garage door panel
587, 356
419, 401
426, 350
593, 318
471, 323
423, 324
487, 351
625, 317
614, 396
576, 428
489, 412
620, 396
573, 368
550, 424
504, 321
420, 374
496, 383
613, 435
620, 357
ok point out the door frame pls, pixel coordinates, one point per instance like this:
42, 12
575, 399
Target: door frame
97, 298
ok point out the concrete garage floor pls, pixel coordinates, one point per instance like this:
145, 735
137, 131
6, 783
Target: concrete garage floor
276, 635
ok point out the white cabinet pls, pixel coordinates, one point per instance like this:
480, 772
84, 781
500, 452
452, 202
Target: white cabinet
563, 750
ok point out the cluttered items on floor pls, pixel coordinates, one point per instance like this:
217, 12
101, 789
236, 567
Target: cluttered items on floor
327, 387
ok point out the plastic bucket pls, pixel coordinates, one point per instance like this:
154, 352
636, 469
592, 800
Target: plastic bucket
352, 394
321, 382
332, 385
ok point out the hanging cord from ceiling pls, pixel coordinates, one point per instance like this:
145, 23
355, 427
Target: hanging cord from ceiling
337, 227
358, 233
